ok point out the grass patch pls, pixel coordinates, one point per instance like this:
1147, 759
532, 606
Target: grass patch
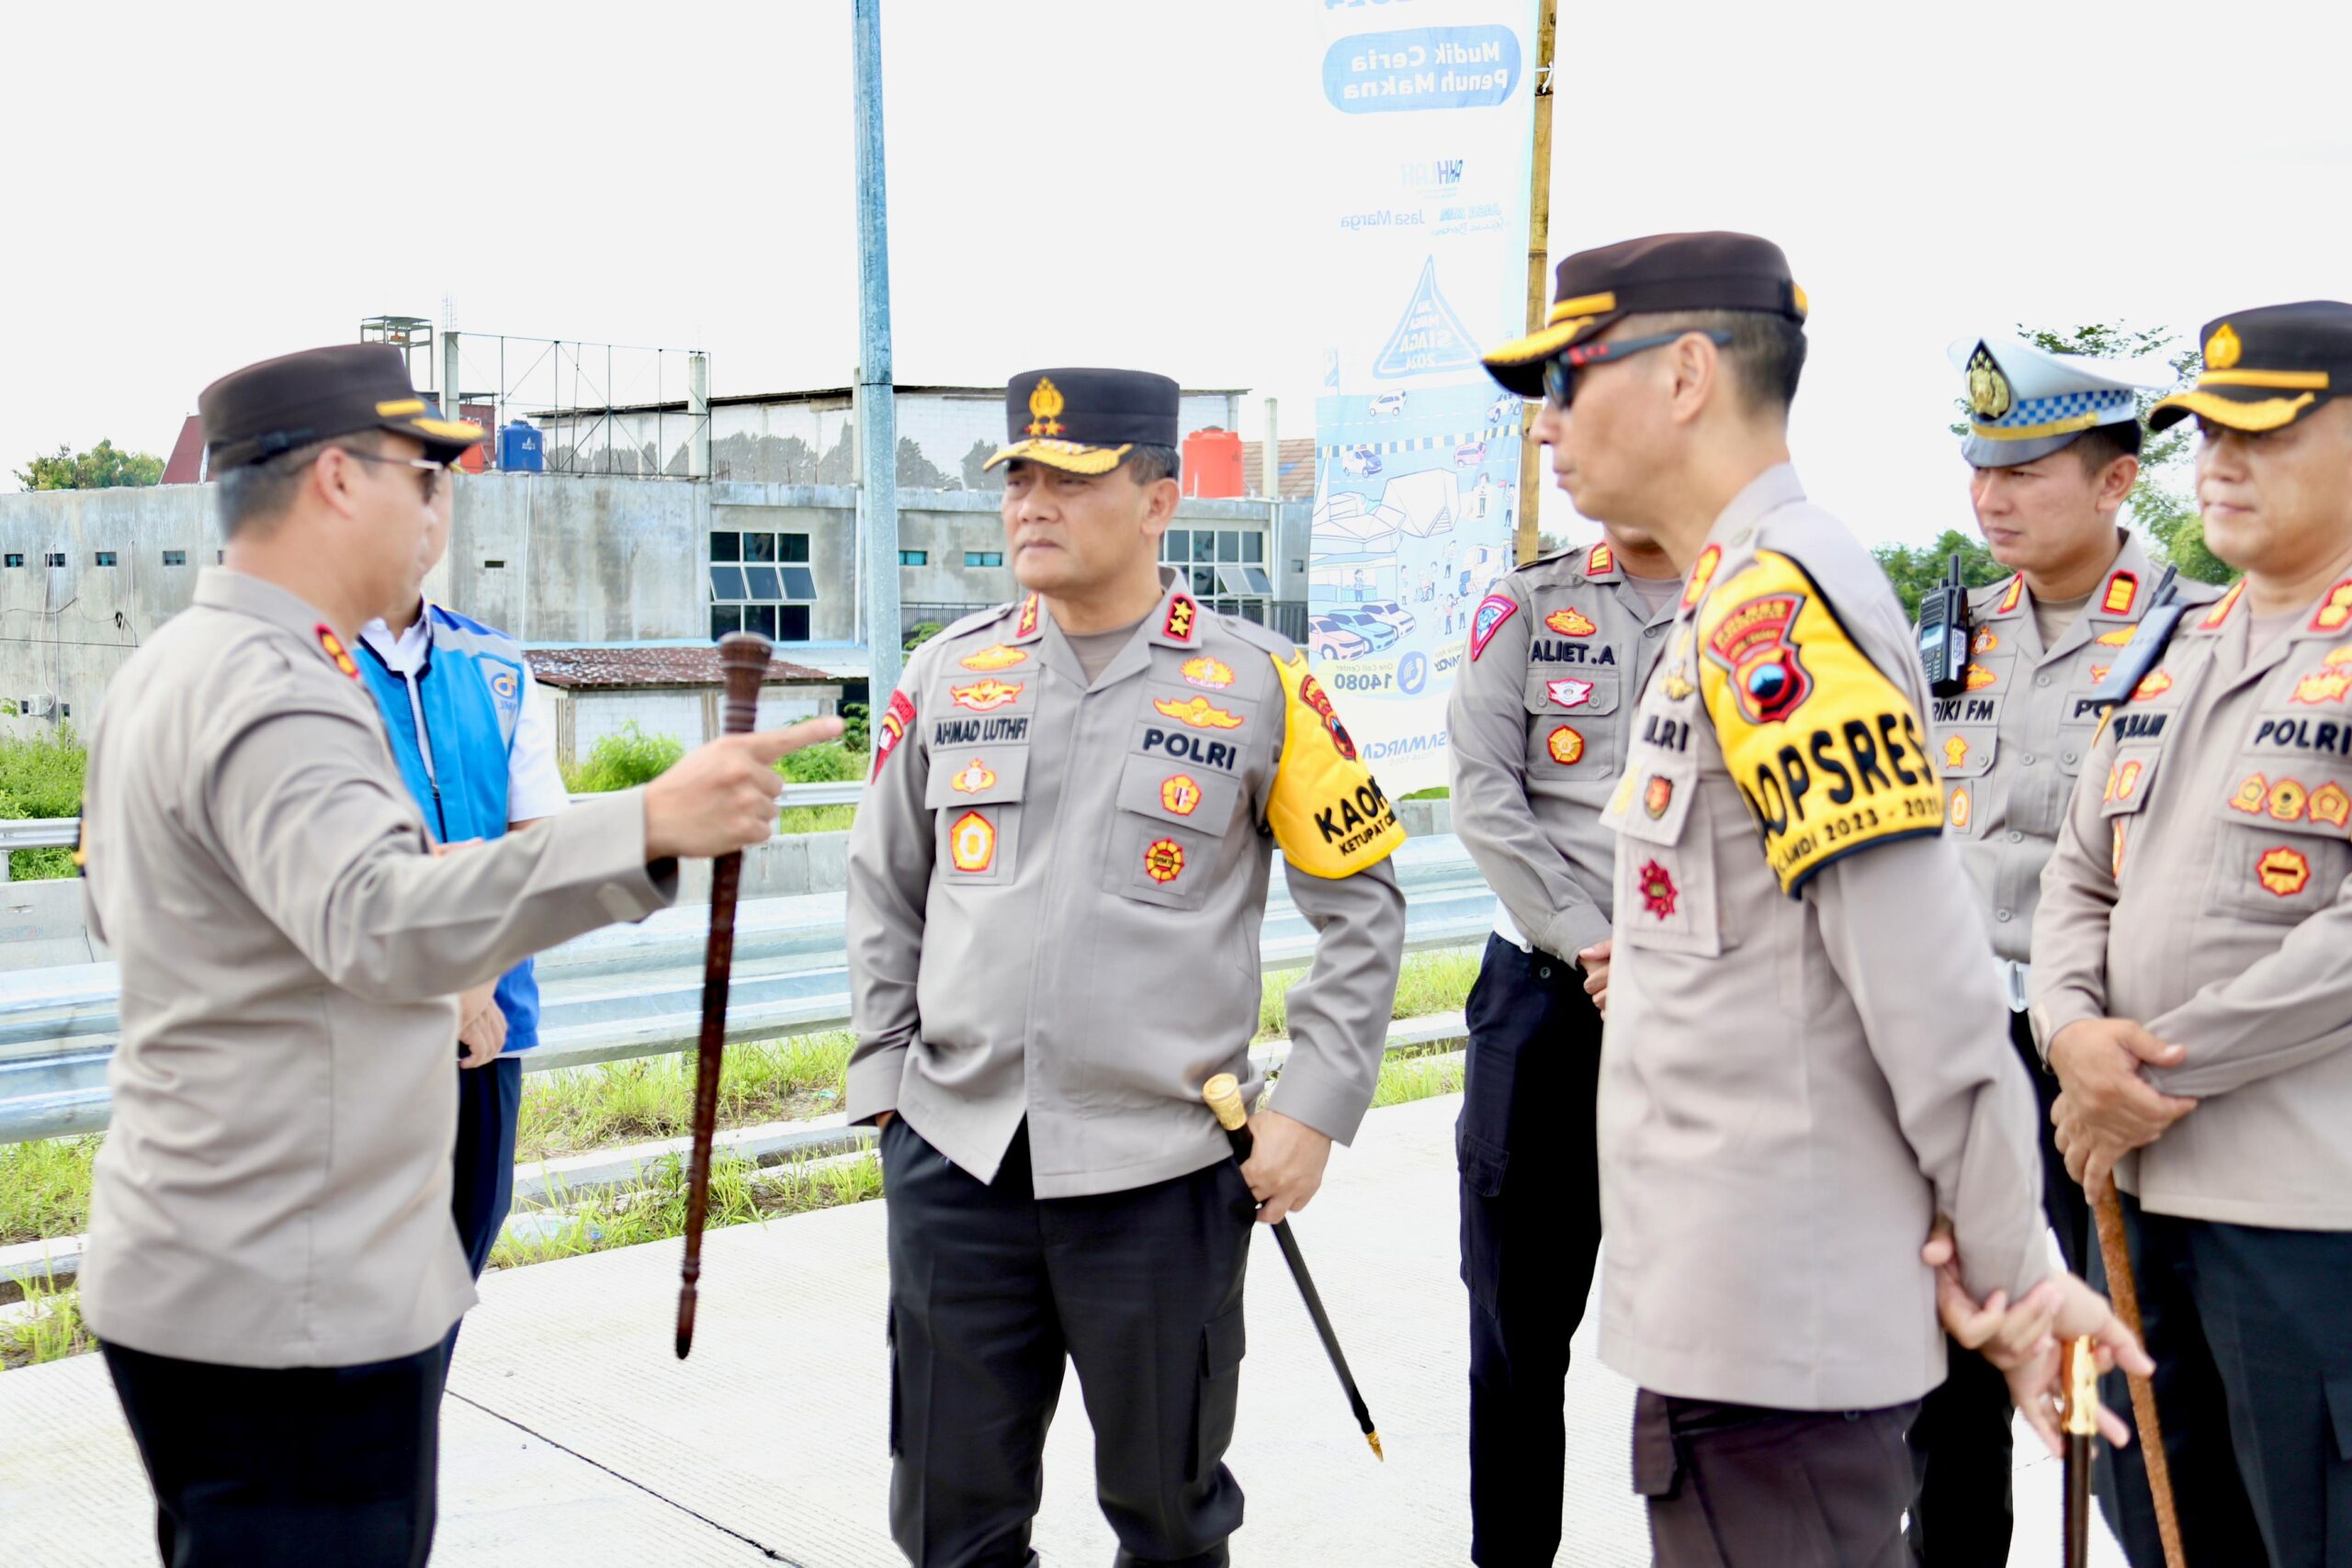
1429, 982
41, 777
817, 818
655, 1208
45, 1188
1435, 792
653, 1096
1416, 1078
47, 1328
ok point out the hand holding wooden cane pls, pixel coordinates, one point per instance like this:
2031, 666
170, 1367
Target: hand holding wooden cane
1223, 1093
743, 663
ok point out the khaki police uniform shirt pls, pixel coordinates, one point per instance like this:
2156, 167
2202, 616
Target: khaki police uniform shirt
275, 1189
1539, 723
1055, 888
1804, 1059
2201, 888
2011, 746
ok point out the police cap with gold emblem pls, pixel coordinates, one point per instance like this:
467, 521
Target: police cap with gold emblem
1662, 272
2267, 367
2026, 402
1084, 420
251, 415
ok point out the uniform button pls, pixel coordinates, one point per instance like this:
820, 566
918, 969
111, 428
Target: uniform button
2042, 680
2016, 837
2002, 916
2067, 756
2028, 759
1544, 973
1654, 630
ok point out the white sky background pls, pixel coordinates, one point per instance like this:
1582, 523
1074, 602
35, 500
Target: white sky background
191, 188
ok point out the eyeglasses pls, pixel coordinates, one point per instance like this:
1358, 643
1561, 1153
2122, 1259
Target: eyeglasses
1560, 370
429, 471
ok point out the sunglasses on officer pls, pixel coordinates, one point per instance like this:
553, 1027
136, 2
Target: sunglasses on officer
428, 471
1560, 370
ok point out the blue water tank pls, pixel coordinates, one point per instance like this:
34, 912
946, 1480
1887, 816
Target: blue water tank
519, 448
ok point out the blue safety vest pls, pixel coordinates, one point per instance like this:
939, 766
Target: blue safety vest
471, 689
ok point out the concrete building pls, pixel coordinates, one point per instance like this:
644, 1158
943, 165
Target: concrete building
566, 561
674, 690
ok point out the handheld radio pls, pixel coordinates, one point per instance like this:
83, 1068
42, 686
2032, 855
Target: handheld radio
1943, 634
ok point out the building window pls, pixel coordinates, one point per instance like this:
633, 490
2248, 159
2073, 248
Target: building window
983, 557
760, 583
493, 566
220, 558
16, 559
105, 557
1222, 565
175, 557
914, 557
55, 557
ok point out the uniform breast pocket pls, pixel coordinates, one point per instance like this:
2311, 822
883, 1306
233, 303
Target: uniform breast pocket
1171, 823
2131, 779
2281, 853
1666, 892
1965, 756
1572, 722
975, 801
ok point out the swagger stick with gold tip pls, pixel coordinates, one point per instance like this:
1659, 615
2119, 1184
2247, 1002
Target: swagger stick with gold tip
2080, 1367
743, 663
1223, 1094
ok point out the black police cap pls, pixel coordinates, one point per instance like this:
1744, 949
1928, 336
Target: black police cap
2267, 367
1714, 271
253, 414
1085, 421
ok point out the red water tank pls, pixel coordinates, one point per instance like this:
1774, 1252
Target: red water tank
1213, 463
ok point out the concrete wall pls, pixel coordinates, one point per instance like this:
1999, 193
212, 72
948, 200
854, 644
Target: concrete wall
551, 558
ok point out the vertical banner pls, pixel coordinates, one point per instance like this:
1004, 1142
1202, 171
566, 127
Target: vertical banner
1426, 119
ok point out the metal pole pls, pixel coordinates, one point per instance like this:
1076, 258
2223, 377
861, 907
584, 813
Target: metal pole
1270, 467
449, 377
698, 415
877, 422
1539, 256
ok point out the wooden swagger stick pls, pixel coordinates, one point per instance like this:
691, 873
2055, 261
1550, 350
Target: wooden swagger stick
1223, 1094
2116, 1254
2079, 1371
743, 663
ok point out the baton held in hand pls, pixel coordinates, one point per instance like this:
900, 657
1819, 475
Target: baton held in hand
2117, 1256
1223, 1093
743, 662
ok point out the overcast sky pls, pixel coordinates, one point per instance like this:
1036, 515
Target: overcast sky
191, 188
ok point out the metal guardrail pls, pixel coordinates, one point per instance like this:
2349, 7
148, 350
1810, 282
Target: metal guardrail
62, 832
637, 991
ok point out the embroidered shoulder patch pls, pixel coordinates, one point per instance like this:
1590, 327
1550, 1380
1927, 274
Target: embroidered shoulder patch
1599, 561
2010, 599
1182, 613
2336, 611
2122, 589
1825, 748
1325, 809
1487, 619
336, 651
895, 722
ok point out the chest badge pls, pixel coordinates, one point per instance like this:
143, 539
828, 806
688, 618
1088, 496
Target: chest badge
2251, 791
1198, 712
993, 659
1979, 678
1566, 745
1655, 885
971, 843
1657, 795
2116, 638
1569, 694
977, 776
985, 696
1985, 642
2154, 686
1164, 860
1214, 674
2331, 804
2328, 684
1955, 751
1181, 794
1568, 623
2283, 871
1960, 808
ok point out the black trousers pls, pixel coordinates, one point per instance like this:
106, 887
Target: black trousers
2251, 1328
992, 1287
286, 1468
1735, 1486
489, 1099
1960, 1444
1531, 1231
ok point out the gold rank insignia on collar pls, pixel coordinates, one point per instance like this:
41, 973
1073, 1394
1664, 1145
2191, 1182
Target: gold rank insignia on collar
336, 651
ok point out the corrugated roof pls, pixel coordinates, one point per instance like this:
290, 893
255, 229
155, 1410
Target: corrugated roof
608, 665
1294, 467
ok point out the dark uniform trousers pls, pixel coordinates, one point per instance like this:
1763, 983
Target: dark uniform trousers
489, 1098
1737, 1486
1960, 1443
2251, 1328
1531, 1231
287, 1467
991, 1288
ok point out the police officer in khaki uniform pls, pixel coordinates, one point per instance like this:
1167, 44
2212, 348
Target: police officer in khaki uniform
1056, 881
2192, 957
1802, 1066
272, 1265
1539, 723
2053, 448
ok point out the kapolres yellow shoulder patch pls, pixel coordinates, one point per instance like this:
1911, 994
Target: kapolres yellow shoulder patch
1825, 748
1326, 810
